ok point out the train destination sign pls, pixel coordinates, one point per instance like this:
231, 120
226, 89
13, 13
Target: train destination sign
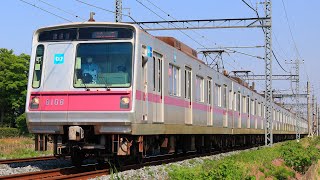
89, 33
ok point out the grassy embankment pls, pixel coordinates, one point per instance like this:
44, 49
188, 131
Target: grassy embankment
21, 147
288, 160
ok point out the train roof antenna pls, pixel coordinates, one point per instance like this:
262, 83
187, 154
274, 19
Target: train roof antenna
91, 17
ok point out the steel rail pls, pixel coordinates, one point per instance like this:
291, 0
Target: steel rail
42, 158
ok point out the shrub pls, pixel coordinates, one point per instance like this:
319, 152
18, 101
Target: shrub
280, 173
298, 157
227, 169
8, 132
181, 173
22, 124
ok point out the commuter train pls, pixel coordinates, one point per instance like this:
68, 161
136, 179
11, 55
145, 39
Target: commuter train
111, 90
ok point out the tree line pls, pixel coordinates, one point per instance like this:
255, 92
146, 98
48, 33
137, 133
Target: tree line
13, 89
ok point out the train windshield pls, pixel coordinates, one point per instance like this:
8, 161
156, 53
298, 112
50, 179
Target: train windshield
104, 65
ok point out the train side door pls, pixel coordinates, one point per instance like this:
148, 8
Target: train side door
209, 102
188, 95
158, 97
144, 84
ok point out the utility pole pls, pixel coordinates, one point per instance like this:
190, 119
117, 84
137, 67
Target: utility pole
268, 75
314, 117
118, 14
309, 110
318, 120
297, 100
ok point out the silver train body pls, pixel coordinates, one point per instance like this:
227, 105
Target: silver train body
145, 86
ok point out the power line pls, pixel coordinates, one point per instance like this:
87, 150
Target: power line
278, 62
107, 10
45, 10
99, 7
281, 49
294, 42
234, 51
257, 13
62, 10
166, 20
250, 6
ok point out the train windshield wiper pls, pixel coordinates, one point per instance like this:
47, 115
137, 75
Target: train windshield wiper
85, 85
106, 84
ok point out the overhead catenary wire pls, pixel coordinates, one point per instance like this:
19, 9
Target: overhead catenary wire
234, 51
291, 34
257, 13
45, 10
67, 12
293, 40
207, 39
107, 10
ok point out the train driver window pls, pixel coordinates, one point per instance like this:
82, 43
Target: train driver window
103, 65
38, 67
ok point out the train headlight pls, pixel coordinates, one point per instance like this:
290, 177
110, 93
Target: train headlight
34, 104
124, 102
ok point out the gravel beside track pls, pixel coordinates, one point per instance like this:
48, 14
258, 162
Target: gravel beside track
25, 167
160, 172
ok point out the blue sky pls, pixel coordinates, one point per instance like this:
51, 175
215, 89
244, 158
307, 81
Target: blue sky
19, 20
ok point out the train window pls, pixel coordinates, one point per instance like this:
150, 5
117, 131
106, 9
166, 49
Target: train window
230, 100
224, 96
256, 108
252, 107
159, 74
37, 71
235, 101
248, 105
199, 89
209, 92
154, 74
174, 80
244, 104
239, 102
103, 65
217, 99
187, 83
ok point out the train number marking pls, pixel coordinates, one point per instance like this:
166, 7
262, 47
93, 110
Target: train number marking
54, 102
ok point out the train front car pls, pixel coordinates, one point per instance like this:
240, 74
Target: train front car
80, 89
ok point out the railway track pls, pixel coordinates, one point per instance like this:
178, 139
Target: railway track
83, 172
43, 158
94, 170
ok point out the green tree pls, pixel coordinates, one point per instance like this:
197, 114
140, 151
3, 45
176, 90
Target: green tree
13, 85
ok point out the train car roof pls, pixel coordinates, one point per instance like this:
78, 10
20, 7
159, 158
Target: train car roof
85, 24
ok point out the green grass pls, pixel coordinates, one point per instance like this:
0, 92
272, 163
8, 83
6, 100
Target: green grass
24, 153
245, 165
12, 148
